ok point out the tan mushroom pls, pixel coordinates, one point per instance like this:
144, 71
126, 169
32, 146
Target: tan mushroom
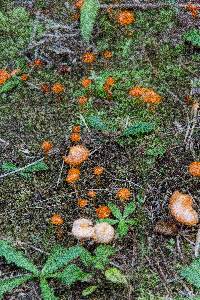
77, 155
180, 206
104, 233
83, 229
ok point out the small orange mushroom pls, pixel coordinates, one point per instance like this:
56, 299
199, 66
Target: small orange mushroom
47, 146
194, 168
78, 4
149, 96
103, 211
98, 170
4, 76
123, 194
136, 91
82, 202
45, 88
91, 194
107, 54
125, 18
24, 77
76, 129
73, 175
75, 137
82, 100
180, 206
86, 82
88, 57
57, 88
77, 155
56, 219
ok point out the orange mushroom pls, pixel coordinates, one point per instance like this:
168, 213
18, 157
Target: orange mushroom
82, 202
88, 57
76, 129
123, 194
194, 168
125, 18
180, 206
47, 146
103, 211
77, 155
57, 88
4, 76
107, 54
98, 171
75, 137
91, 194
86, 82
82, 100
73, 175
56, 219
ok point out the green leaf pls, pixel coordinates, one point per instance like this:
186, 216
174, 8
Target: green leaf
115, 210
13, 256
132, 222
39, 166
96, 123
114, 275
8, 167
8, 285
71, 274
89, 12
86, 258
122, 228
109, 221
60, 257
47, 292
129, 209
192, 273
193, 36
102, 253
138, 129
10, 84
89, 290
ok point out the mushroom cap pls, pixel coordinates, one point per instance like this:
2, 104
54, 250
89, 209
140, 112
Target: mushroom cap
83, 229
77, 155
104, 233
194, 168
180, 206
73, 175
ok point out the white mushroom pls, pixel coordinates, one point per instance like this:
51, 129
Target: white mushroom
83, 229
103, 233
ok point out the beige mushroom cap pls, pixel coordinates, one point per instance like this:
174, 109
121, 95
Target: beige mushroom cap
104, 233
83, 229
77, 155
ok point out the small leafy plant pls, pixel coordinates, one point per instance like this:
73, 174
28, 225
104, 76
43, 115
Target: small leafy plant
99, 262
192, 273
27, 171
193, 36
122, 220
57, 266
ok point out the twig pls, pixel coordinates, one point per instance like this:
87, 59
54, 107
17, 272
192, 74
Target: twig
197, 244
138, 5
21, 169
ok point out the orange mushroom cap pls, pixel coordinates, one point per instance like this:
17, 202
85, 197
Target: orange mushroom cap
75, 137
4, 76
76, 128
98, 170
47, 146
86, 82
58, 88
56, 219
180, 206
123, 194
77, 155
73, 175
82, 202
91, 194
82, 100
103, 212
88, 57
107, 54
194, 168
125, 18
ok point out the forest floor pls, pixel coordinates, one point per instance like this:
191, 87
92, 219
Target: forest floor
151, 52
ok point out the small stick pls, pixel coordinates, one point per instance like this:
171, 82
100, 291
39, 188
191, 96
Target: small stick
197, 244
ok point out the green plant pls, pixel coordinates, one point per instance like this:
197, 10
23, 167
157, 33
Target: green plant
57, 266
99, 262
192, 273
27, 171
88, 16
192, 36
121, 219
138, 129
